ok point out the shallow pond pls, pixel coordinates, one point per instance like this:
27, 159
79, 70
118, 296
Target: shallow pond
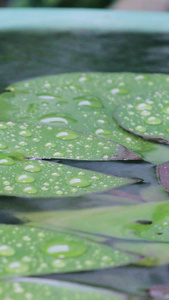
28, 55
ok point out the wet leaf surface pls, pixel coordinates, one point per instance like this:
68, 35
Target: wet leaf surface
32, 251
44, 141
39, 289
36, 178
148, 221
147, 113
55, 99
163, 175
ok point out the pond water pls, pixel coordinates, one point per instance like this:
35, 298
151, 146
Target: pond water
28, 55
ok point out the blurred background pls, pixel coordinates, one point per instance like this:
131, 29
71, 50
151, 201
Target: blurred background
145, 5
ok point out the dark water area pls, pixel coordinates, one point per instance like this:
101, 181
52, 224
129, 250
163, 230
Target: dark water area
25, 55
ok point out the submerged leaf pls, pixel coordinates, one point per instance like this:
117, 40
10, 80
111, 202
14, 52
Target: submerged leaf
36, 178
83, 101
148, 221
44, 141
147, 115
32, 251
154, 193
39, 289
154, 253
163, 174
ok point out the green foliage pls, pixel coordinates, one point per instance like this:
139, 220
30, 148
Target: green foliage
38, 178
70, 116
49, 289
32, 251
147, 115
45, 141
55, 99
153, 254
138, 222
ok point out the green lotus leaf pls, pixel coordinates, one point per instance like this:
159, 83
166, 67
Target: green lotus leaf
147, 114
154, 253
27, 288
31, 251
83, 101
44, 141
37, 178
148, 221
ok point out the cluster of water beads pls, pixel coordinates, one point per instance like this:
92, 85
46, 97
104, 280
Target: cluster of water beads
29, 250
47, 179
148, 118
30, 289
92, 96
52, 142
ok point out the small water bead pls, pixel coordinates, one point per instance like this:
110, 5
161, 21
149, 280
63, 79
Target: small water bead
3, 146
145, 113
6, 250
50, 145
8, 188
120, 91
101, 121
24, 178
30, 190
32, 168
58, 154
6, 182
143, 106
153, 120
6, 161
16, 267
25, 133
74, 87
101, 131
89, 101
2, 126
84, 79
26, 238
47, 96
66, 135
36, 140
142, 77
166, 109
64, 247
57, 118
56, 174
140, 128
79, 182
23, 143
58, 263
59, 192
95, 177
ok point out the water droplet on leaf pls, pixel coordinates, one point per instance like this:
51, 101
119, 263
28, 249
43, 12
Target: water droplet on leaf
79, 182
24, 178
64, 247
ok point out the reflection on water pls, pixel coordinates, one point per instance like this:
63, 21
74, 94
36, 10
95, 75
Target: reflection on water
29, 55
